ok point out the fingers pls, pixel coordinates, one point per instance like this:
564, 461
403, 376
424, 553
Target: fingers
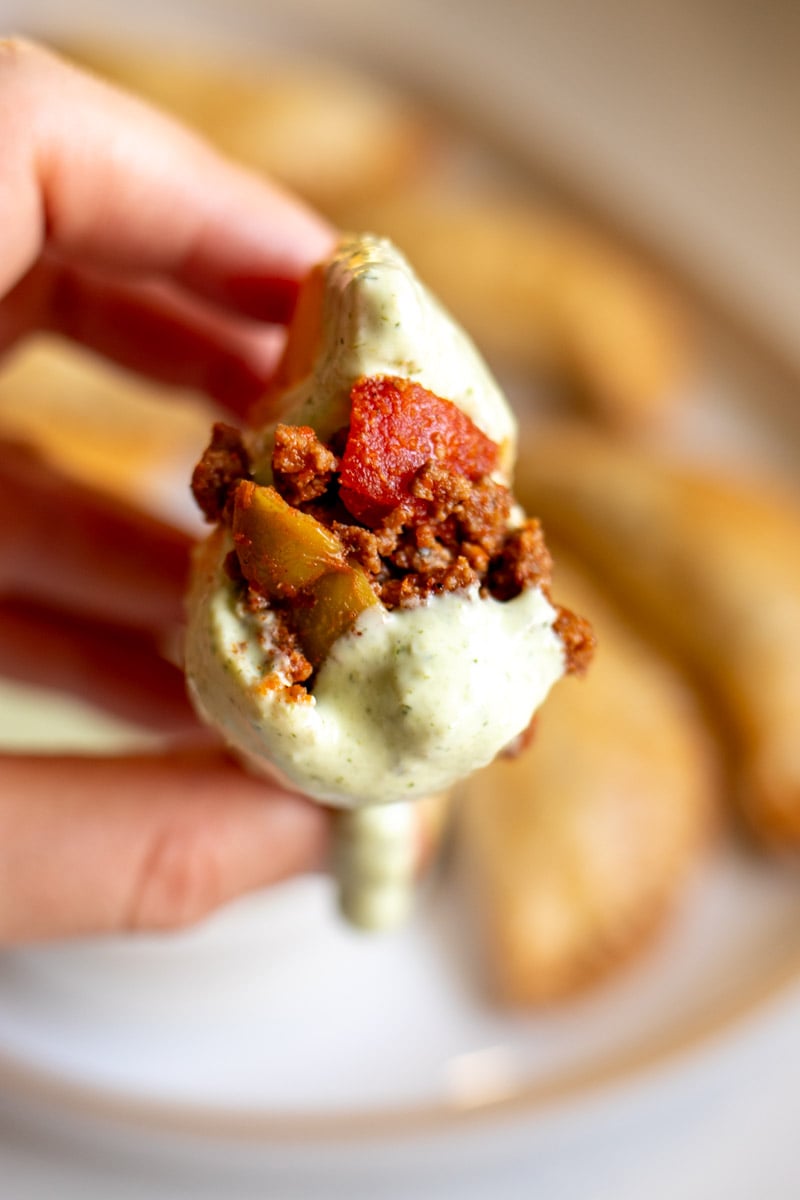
150, 328
67, 546
117, 670
104, 180
152, 842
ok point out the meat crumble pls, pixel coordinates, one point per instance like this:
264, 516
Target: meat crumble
451, 534
302, 465
225, 461
579, 640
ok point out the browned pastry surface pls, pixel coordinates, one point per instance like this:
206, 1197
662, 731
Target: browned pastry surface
330, 133
577, 850
712, 565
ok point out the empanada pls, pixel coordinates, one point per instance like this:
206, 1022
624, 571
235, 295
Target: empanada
371, 618
576, 851
711, 564
97, 423
328, 132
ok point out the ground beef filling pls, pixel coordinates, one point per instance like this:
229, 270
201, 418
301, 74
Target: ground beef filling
303, 468
459, 535
225, 461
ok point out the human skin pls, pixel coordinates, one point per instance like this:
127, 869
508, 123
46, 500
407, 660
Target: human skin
127, 234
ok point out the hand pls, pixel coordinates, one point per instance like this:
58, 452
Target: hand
124, 232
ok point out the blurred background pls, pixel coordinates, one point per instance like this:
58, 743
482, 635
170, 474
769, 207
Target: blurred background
677, 116
608, 197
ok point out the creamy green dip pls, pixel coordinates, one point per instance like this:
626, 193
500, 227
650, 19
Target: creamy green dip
407, 702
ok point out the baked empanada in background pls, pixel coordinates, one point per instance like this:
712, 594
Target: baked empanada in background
329, 133
575, 852
98, 423
711, 565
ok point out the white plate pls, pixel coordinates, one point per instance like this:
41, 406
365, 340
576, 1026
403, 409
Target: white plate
273, 1019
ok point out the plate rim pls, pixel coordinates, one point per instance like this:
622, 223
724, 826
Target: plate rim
267, 1126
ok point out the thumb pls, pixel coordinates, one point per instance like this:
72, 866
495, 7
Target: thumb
101, 845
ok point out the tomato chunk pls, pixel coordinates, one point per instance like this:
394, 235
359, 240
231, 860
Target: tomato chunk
397, 426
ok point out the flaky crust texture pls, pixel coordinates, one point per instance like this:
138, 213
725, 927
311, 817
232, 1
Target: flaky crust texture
710, 565
577, 851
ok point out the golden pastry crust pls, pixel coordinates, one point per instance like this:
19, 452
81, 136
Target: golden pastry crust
96, 422
538, 290
710, 564
329, 133
577, 850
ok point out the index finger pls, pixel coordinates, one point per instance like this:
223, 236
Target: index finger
103, 179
